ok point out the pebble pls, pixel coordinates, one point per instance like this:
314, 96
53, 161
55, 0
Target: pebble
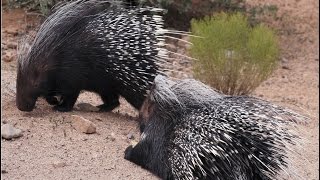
285, 67
9, 132
10, 56
284, 60
130, 136
12, 45
59, 164
87, 107
13, 32
112, 137
83, 125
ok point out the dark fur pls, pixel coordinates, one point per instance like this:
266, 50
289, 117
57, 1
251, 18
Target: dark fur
163, 118
65, 58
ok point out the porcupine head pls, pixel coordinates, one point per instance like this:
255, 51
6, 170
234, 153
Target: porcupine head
150, 152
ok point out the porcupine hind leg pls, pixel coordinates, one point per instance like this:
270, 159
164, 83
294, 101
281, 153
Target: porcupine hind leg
51, 99
67, 101
110, 101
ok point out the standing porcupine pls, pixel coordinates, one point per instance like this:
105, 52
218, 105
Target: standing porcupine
190, 131
93, 45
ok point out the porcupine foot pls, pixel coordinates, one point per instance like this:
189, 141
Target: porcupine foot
108, 107
67, 102
127, 153
52, 100
109, 103
135, 155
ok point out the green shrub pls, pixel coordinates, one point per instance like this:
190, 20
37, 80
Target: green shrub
232, 56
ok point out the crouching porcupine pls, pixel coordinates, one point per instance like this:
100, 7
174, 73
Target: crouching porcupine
190, 131
93, 45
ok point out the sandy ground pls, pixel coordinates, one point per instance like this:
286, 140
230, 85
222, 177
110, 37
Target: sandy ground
51, 148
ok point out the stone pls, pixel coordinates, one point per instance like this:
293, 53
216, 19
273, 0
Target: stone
12, 31
83, 125
130, 136
12, 45
87, 107
285, 67
10, 56
58, 164
8, 132
112, 137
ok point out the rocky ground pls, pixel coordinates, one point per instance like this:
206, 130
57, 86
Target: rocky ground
51, 145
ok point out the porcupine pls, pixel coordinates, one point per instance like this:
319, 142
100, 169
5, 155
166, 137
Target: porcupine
98, 46
190, 131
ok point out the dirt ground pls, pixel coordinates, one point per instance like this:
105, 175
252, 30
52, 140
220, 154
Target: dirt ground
51, 148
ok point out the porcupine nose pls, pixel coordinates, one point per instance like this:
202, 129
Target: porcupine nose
25, 104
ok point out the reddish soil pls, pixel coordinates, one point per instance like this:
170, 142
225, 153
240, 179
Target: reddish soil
49, 139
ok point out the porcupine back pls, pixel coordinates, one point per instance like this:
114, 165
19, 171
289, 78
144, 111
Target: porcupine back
97, 45
133, 55
222, 137
232, 139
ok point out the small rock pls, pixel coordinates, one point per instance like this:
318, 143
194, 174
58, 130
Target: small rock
4, 47
12, 45
12, 31
87, 107
10, 56
130, 136
59, 164
112, 137
98, 118
9, 132
284, 60
4, 121
3, 171
83, 125
285, 67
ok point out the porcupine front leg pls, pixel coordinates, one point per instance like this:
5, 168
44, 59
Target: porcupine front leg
52, 100
67, 102
110, 102
144, 155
